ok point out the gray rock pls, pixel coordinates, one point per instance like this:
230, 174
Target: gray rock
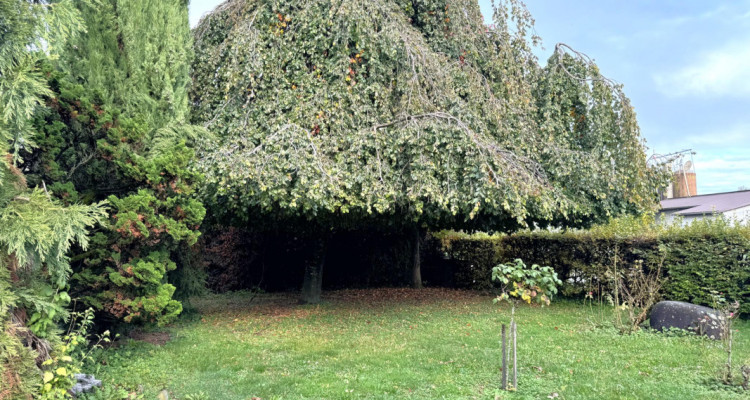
690, 317
85, 383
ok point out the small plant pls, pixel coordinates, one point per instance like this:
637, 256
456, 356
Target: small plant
600, 317
47, 314
109, 393
520, 283
637, 289
60, 369
197, 396
728, 312
528, 284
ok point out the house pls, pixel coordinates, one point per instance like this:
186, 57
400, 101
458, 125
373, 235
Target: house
732, 205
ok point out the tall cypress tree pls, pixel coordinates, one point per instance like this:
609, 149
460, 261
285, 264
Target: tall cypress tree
136, 56
115, 130
35, 230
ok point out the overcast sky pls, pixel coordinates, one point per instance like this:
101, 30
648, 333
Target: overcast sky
685, 65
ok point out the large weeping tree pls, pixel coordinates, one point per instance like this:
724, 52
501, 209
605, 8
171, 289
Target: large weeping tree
332, 115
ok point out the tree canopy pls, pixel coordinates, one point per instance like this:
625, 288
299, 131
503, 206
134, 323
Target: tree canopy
408, 112
135, 56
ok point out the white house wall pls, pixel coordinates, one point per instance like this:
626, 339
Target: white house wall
666, 217
742, 215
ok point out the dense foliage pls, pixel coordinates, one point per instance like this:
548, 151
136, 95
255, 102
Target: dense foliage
709, 255
136, 56
114, 129
36, 232
523, 283
407, 112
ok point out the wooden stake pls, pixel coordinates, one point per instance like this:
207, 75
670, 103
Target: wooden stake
505, 361
514, 334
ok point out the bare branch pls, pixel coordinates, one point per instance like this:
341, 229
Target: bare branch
86, 159
561, 49
44, 185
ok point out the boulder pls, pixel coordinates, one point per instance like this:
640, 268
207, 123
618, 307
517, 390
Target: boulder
690, 317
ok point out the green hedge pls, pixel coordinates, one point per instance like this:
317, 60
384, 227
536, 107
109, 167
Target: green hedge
706, 255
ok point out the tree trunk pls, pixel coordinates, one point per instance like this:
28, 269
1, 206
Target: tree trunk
416, 269
312, 285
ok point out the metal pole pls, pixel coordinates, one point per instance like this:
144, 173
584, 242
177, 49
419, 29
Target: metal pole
505, 362
514, 334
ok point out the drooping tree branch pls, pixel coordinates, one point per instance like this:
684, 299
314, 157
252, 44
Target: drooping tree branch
562, 50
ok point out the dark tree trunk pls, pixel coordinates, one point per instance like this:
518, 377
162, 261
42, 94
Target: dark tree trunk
416, 269
312, 285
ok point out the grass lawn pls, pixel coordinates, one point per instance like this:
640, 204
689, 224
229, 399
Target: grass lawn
408, 344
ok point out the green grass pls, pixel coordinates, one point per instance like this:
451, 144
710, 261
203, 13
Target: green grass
404, 344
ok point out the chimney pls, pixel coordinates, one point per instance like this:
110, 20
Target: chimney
684, 184
667, 192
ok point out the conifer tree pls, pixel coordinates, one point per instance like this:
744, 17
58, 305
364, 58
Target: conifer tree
115, 129
35, 231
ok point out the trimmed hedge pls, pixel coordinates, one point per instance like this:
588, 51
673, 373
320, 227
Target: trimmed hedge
707, 255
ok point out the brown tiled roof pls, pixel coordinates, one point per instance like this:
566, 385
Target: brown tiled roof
707, 203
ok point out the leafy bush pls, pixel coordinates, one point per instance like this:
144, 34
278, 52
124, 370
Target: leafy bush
69, 355
35, 233
533, 283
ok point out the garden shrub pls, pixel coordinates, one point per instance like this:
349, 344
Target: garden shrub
113, 127
711, 254
90, 152
708, 256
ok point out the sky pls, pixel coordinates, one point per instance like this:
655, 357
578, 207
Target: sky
685, 64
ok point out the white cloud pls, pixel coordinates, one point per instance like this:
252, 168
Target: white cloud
724, 165
721, 11
737, 135
723, 72
722, 174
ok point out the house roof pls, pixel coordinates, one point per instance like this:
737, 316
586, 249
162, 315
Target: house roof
707, 203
